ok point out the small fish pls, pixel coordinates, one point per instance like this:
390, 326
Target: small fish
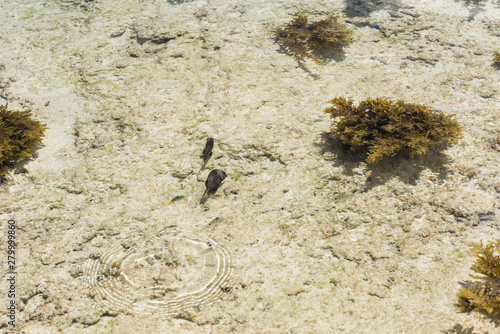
339, 197
216, 221
176, 198
208, 250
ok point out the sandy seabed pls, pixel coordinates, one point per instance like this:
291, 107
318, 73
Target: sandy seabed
303, 236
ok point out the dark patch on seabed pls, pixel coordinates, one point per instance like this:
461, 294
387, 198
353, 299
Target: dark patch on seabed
476, 6
366, 7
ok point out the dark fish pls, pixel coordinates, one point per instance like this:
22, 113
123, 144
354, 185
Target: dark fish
213, 183
206, 155
207, 151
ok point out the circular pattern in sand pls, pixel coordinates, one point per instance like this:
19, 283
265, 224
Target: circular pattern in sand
163, 275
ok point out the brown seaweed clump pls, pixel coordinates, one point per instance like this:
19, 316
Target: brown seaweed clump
483, 295
19, 135
302, 38
496, 58
384, 128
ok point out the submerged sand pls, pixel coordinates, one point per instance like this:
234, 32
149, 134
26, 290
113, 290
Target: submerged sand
317, 240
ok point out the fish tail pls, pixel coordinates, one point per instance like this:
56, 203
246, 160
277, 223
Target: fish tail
204, 197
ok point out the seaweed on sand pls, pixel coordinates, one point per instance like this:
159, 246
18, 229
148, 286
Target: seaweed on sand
302, 37
19, 135
484, 294
385, 127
